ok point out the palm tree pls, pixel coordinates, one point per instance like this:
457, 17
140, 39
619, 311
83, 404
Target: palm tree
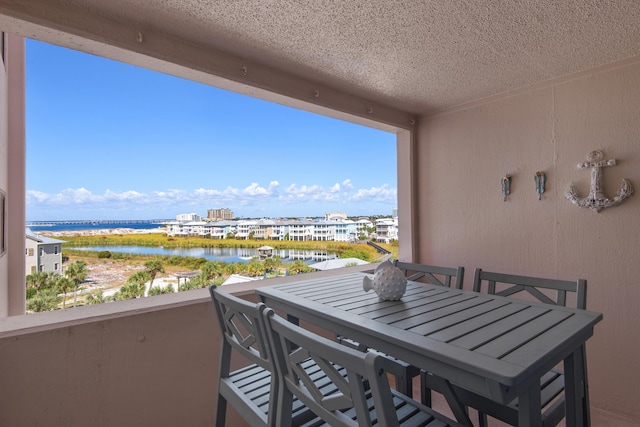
212, 269
47, 300
37, 280
298, 266
64, 284
231, 268
273, 263
96, 298
153, 267
129, 291
255, 268
77, 272
159, 290
139, 278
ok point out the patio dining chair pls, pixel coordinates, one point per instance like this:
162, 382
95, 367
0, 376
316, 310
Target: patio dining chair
433, 274
548, 291
251, 390
363, 397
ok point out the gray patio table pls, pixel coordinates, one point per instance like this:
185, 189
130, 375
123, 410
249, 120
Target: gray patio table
495, 346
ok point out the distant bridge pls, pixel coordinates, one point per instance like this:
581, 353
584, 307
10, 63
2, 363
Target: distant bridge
96, 222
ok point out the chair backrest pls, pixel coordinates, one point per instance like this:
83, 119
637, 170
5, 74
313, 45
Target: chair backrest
434, 274
347, 405
243, 329
549, 291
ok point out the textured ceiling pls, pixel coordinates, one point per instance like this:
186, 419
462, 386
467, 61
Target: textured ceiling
417, 56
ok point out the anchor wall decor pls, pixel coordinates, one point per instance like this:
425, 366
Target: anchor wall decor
596, 200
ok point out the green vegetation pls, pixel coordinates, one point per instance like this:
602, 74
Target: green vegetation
76, 272
391, 247
162, 240
153, 267
48, 291
44, 288
131, 290
43, 301
104, 254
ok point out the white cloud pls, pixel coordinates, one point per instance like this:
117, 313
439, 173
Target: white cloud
377, 193
73, 203
255, 190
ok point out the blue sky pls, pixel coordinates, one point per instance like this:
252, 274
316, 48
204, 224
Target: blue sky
107, 140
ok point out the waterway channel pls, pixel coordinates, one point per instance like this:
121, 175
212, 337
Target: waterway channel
219, 254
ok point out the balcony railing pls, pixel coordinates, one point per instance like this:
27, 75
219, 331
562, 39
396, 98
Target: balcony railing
149, 361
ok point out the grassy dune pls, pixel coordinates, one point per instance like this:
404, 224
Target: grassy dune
361, 250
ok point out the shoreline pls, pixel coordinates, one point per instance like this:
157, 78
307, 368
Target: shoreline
101, 232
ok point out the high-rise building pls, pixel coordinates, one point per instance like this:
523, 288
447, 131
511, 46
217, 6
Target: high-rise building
223, 213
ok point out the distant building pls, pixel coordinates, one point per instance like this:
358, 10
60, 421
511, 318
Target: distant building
43, 254
223, 213
323, 230
338, 230
188, 217
387, 229
363, 226
333, 216
211, 229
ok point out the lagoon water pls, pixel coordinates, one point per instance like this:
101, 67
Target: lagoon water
213, 254
218, 254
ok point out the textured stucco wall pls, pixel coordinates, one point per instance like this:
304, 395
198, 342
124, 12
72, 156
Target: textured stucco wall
463, 220
151, 368
14, 165
4, 145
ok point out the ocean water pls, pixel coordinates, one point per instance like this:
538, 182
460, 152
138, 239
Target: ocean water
36, 226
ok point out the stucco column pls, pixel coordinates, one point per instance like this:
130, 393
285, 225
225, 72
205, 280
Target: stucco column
16, 171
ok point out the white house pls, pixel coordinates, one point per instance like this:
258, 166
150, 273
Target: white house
176, 228
346, 231
245, 228
301, 230
324, 230
220, 229
387, 229
188, 217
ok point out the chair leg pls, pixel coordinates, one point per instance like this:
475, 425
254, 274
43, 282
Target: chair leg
221, 411
585, 398
425, 392
482, 420
404, 385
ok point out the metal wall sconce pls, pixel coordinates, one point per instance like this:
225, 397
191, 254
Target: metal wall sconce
540, 178
506, 186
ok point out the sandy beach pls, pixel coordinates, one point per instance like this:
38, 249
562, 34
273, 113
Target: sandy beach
107, 274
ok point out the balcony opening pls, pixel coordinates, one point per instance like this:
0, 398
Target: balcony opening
107, 140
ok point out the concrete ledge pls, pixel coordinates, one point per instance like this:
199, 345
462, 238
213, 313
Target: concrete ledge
38, 322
